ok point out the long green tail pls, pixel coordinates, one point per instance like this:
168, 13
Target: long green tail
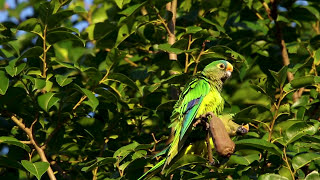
158, 165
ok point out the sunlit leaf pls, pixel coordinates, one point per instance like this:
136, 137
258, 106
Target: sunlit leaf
4, 84
303, 159
270, 176
37, 168
47, 100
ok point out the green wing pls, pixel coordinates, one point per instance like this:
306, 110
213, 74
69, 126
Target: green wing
185, 111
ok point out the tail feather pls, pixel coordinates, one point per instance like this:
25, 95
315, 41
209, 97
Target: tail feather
158, 165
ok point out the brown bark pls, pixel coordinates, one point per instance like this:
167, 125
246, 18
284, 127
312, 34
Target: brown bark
273, 15
40, 151
221, 139
172, 7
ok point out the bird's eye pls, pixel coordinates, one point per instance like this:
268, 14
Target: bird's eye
221, 66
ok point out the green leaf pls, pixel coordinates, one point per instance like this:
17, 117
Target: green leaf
14, 70
219, 28
168, 48
256, 113
243, 160
305, 81
65, 29
15, 142
39, 84
185, 160
99, 162
4, 83
121, 78
63, 80
193, 29
303, 159
280, 76
93, 102
299, 130
314, 11
270, 176
46, 101
37, 168
314, 175
260, 144
57, 36
58, 17
316, 57
125, 150
79, 9
30, 25
32, 52
132, 9
10, 163
121, 3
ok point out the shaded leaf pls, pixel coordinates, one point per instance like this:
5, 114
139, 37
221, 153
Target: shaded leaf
185, 160
254, 113
99, 162
260, 144
63, 80
305, 81
121, 78
15, 142
8, 162
57, 36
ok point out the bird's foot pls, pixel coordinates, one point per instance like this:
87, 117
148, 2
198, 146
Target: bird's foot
203, 121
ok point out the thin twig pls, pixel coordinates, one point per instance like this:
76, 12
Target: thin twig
285, 158
44, 57
277, 106
95, 171
198, 58
187, 54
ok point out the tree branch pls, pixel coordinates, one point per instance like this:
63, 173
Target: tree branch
272, 15
40, 151
172, 7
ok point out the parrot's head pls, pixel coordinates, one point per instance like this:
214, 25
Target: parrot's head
218, 70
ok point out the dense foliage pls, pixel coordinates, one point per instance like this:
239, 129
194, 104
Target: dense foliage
87, 87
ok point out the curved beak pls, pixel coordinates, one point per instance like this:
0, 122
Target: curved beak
229, 67
229, 70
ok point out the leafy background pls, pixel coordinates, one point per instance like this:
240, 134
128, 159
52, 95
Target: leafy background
87, 87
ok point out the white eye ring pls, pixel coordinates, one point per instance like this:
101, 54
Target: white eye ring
222, 66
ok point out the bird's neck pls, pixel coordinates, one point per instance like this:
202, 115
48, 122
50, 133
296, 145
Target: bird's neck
214, 82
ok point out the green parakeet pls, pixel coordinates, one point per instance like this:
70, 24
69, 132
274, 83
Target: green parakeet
201, 95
